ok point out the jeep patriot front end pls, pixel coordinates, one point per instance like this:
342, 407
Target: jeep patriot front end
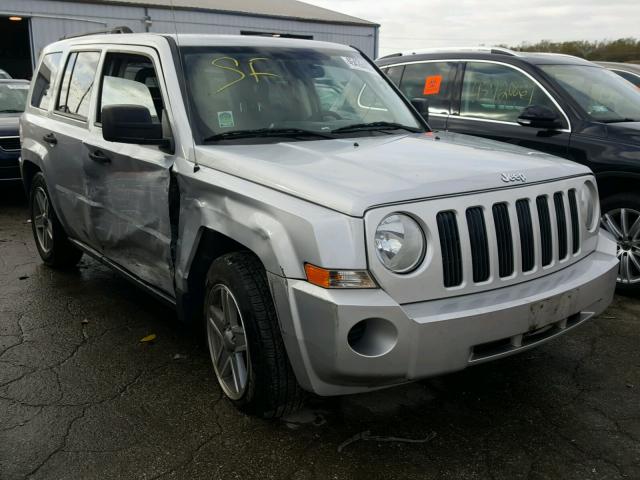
283, 193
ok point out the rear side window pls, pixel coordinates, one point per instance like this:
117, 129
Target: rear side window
394, 73
433, 81
77, 83
43, 86
497, 92
130, 79
635, 79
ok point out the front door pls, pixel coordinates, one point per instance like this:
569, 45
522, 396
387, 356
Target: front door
490, 101
129, 184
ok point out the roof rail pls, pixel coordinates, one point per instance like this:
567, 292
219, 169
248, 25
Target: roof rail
399, 54
494, 50
121, 29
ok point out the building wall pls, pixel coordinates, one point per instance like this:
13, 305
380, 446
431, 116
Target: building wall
52, 19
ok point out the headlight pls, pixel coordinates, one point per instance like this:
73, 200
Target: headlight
400, 243
589, 205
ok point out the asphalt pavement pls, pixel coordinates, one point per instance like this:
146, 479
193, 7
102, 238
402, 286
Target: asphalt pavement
81, 397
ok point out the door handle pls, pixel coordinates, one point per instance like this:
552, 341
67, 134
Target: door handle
99, 156
50, 138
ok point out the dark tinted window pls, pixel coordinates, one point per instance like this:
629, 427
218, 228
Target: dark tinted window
635, 79
499, 92
394, 73
42, 88
77, 83
432, 81
129, 79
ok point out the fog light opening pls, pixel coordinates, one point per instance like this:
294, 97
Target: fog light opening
372, 337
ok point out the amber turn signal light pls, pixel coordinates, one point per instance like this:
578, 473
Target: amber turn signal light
326, 278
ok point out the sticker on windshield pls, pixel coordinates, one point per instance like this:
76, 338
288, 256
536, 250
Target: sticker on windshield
225, 119
18, 87
599, 109
357, 63
432, 85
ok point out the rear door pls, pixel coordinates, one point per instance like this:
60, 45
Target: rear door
492, 96
432, 80
129, 184
64, 132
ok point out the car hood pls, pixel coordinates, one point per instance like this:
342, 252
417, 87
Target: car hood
9, 124
627, 132
353, 175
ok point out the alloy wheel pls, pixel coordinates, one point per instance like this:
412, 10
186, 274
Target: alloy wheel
624, 225
227, 341
42, 220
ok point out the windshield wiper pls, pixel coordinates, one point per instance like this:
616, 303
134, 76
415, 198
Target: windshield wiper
267, 132
9, 110
619, 120
376, 126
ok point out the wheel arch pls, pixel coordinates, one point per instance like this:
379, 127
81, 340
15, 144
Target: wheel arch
611, 183
210, 245
29, 170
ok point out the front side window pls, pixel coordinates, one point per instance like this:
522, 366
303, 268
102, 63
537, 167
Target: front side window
497, 92
13, 96
240, 89
602, 94
43, 86
433, 81
77, 83
129, 79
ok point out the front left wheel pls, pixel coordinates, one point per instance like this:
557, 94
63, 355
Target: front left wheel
244, 339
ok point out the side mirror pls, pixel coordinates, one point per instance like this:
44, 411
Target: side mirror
422, 106
537, 116
131, 124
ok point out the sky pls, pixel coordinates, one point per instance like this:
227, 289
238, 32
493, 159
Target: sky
410, 24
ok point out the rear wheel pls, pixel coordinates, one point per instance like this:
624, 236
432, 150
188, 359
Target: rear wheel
51, 240
621, 218
244, 339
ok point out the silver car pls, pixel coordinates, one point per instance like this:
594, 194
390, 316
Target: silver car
285, 195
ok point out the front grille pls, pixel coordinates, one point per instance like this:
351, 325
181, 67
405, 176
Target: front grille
536, 248
10, 143
479, 245
450, 245
561, 221
526, 234
575, 226
504, 239
544, 220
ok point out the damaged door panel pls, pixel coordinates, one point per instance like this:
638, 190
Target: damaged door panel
128, 184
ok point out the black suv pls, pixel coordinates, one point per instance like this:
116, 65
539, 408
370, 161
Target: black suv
554, 103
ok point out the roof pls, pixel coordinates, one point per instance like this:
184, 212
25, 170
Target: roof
196, 39
292, 9
493, 53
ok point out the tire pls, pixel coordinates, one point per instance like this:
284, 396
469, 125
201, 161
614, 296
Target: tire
613, 208
258, 378
52, 242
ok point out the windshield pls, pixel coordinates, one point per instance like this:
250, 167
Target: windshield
244, 92
605, 96
13, 97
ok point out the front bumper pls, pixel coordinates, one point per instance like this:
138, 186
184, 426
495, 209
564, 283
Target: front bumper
9, 165
437, 336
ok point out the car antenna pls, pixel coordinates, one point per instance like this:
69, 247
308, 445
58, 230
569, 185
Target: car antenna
196, 167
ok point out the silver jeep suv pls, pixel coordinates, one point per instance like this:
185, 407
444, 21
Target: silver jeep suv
285, 195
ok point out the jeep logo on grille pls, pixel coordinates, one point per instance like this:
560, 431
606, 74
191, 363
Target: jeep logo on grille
513, 177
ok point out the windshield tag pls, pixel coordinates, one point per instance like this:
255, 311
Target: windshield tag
225, 119
356, 63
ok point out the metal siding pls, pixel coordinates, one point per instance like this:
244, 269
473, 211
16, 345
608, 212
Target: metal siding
51, 20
